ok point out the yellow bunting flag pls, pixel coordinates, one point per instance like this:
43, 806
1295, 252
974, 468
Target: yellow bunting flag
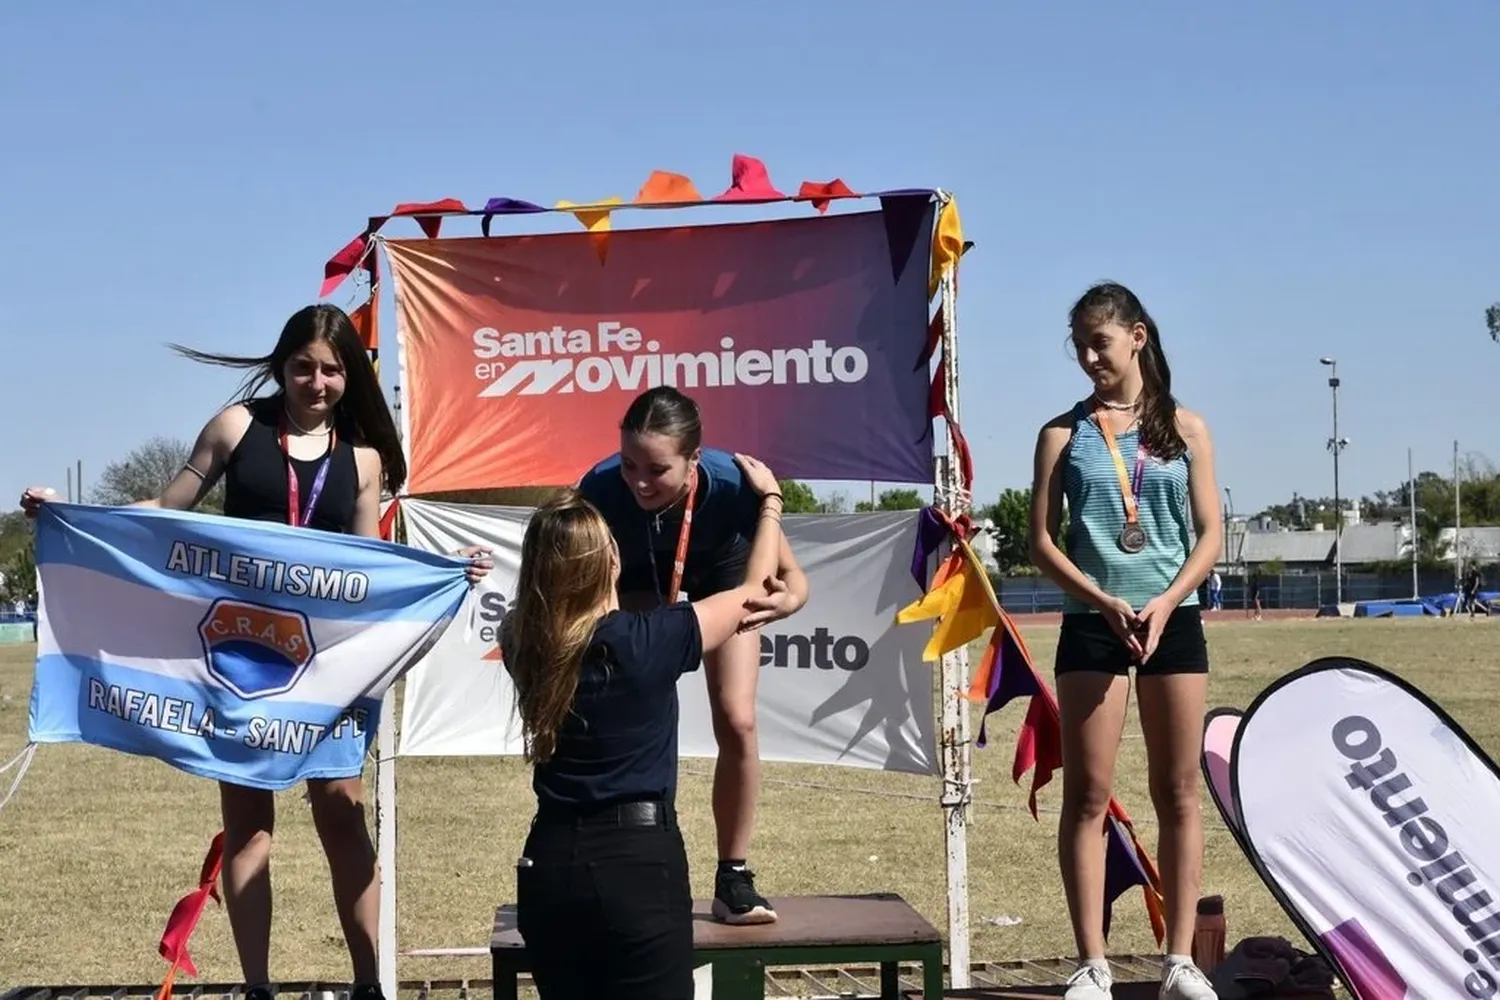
959, 600
595, 218
594, 215
947, 244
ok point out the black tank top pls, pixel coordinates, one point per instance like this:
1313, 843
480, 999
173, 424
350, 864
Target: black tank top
255, 478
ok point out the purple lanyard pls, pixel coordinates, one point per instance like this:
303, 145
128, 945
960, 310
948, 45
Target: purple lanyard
293, 502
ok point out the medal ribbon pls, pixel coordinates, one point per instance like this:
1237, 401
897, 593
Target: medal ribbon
296, 516
1126, 492
679, 562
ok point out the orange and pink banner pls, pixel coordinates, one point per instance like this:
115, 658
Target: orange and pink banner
804, 343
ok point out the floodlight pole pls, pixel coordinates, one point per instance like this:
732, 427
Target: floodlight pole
1411, 502
1336, 445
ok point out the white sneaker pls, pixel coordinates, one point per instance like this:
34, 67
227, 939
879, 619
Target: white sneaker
1185, 981
1090, 982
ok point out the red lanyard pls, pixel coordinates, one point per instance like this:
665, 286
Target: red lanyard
679, 563
295, 515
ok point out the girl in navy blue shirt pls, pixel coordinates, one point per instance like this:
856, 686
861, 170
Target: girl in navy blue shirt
683, 517
603, 899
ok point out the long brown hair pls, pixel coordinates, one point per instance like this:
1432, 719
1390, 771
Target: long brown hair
362, 409
567, 576
1110, 301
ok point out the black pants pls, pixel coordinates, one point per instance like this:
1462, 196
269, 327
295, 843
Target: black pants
605, 908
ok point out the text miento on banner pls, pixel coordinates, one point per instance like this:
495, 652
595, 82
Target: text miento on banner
1371, 815
840, 682
803, 342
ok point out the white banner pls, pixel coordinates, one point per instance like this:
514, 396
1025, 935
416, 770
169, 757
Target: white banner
840, 682
1371, 815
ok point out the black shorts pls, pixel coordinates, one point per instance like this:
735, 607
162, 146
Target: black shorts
706, 573
1086, 642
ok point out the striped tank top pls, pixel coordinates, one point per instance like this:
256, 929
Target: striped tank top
1096, 513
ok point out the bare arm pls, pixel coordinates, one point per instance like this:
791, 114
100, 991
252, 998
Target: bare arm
367, 499
1046, 516
1203, 495
205, 466
720, 615
792, 575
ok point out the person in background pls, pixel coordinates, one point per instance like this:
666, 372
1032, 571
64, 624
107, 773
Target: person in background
1473, 581
603, 899
1137, 472
1215, 591
683, 517
314, 453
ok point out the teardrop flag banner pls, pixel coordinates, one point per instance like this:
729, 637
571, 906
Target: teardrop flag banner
1370, 814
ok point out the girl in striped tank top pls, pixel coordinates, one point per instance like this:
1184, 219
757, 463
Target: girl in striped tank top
1137, 473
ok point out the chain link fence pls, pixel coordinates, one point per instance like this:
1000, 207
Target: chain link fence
1021, 595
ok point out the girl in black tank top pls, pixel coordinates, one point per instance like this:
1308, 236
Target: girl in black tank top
255, 480
324, 378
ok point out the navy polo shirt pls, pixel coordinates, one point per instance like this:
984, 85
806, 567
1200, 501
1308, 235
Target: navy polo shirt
619, 743
726, 513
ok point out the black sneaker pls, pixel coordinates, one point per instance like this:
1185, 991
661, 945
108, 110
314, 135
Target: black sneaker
261, 992
737, 902
366, 991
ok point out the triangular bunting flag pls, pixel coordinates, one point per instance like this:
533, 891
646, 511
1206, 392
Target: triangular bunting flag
431, 224
822, 194
663, 188
749, 181
903, 218
947, 244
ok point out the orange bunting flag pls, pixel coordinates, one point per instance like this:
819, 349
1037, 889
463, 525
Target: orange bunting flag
959, 599
665, 188
947, 244
979, 685
363, 319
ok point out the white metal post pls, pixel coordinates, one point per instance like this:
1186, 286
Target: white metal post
385, 744
1458, 521
385, 841
956, 745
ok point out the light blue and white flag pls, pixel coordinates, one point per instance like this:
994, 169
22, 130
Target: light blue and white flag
244, 651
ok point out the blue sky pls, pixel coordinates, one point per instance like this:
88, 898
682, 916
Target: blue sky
1277, 181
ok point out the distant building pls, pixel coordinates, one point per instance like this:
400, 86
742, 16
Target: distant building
1479, 544
1252, 543
983, 544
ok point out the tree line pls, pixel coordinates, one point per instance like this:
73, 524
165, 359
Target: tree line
146, 471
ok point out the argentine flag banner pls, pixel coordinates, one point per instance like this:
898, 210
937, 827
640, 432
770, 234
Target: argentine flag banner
244, 651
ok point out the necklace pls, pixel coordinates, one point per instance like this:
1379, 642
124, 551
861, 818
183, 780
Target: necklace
303, 430
1116, 406
661, 512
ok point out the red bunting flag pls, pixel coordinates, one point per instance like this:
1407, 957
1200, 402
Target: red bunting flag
185, 916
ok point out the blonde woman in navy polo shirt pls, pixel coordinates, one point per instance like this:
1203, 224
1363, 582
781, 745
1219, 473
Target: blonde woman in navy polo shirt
603, 900
683, 517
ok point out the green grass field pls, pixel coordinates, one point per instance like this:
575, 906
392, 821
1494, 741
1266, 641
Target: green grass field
97, 846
